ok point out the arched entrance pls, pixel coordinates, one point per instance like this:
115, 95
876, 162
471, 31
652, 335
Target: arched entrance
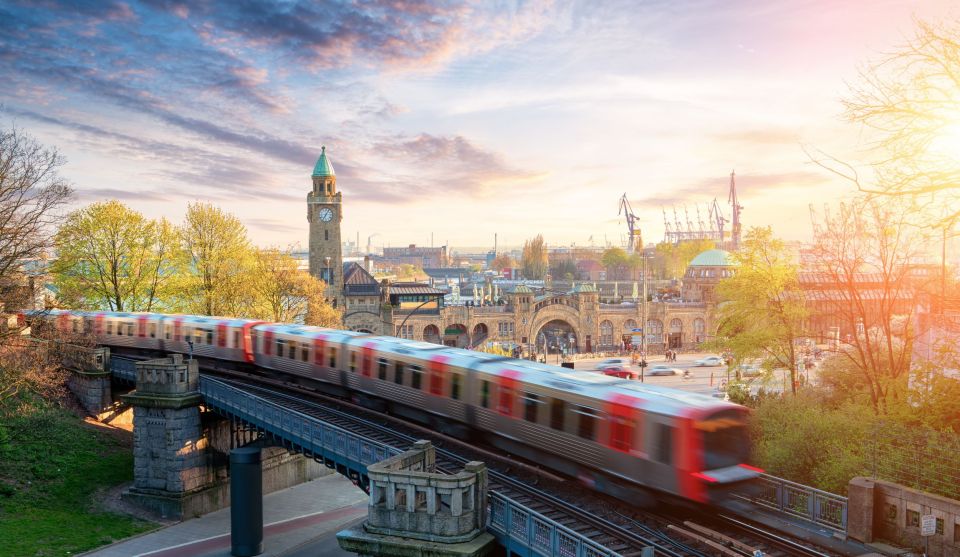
676, 334
630, 331
480, 333
556, 337
431, 334
456, 336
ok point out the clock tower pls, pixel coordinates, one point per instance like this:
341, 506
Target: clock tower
324, 215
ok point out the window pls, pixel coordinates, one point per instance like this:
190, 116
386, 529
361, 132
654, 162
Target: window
382, 369
197, 336
557, 411
153, 330
305, 354
939, 531
209, 336
956, 532
333, 357
606, 333
505, 329
280, 344
530, 404
664, 444
485, 394
167, 332
353, 362
129, 329
913, 518
455, 386
587, 422
417, 375
236, 339
406, 331
398, 373
109, 327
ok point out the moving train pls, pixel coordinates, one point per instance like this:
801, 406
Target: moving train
616, 435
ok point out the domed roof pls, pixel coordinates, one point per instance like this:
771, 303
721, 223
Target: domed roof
521, 289
713, 258
323, 166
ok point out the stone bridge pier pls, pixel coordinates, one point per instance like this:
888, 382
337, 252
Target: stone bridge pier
181, 451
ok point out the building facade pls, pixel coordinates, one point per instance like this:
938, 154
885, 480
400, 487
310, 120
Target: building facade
418, 256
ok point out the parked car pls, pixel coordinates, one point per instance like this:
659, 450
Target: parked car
709, 361
663, 370
623, 372
749, 370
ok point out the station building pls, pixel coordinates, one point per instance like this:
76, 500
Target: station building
537, 320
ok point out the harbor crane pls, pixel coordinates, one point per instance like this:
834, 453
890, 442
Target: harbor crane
736, 207
635, 239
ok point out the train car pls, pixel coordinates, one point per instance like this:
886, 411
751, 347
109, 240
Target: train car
617, 435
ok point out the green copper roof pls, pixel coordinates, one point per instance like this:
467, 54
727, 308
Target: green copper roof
521, 289
323, 166
712, 258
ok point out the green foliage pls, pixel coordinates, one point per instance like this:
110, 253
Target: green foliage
112, 257
763, 309
672, 260
501, 262
50, 466
534, 260
617, 262
563, 268
805, 439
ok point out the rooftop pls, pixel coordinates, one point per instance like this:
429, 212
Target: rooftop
323, 166
713, 258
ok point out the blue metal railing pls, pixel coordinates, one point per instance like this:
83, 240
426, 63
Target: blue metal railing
525, 532
820, 507
124, 368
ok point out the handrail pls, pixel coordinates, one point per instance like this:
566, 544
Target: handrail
820, 507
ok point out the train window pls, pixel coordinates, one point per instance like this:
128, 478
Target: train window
305, 354
280, 343
382, 369
416, 375
557, 411
109, 327
530, 404
293, 351
166, 334
664, 443
587, 422
455, 386
485, 394
129, 329
209, 336
153, 330
236, 339
353, 362
333, 357
398, 373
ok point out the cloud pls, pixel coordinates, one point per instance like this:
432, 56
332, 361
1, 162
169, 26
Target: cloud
703, 191
100, 194
272, 225
765, 136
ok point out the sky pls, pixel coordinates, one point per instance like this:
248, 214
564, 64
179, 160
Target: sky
450, 120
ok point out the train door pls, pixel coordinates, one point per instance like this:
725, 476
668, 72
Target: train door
438, 368
178, 329
319, 351
222, 334
624, 431
142, 326
366, 366
508, 382
63, 322
98, 324
268, 342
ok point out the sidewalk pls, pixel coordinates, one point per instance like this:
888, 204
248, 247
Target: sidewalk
305, 516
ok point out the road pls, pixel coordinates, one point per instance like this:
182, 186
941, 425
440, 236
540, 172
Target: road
704, 380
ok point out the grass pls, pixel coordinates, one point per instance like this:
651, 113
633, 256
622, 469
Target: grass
51, 464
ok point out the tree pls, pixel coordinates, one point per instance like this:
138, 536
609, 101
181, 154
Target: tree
763, 310
563, 268
534, 260
31, 194
410, 272
287, 294
866, 251
616, 262
501, 262
221, 263
672, 260
909, 104
112, 257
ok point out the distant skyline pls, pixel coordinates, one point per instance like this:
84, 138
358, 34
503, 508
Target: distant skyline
461, 120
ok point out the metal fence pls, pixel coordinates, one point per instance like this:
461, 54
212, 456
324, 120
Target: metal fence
525, 532
915, 457
820, 507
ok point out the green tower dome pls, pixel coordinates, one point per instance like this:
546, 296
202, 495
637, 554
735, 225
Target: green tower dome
323, 166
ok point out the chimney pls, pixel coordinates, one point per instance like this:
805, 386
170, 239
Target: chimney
367, 264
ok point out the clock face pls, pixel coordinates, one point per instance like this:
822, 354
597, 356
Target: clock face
325, 214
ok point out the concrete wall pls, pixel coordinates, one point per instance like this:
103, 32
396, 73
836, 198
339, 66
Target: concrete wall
879, 510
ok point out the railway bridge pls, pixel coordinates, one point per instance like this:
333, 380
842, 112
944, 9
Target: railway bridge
186, 423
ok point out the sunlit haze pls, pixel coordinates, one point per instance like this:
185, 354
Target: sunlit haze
457, 121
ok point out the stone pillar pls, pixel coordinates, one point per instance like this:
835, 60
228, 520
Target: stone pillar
860, 502
171, 462
90, 378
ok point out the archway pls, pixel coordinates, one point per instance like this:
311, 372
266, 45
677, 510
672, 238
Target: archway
456, 336
676, 334
699, 330
630, 331
480, 333
431, 334
556, 337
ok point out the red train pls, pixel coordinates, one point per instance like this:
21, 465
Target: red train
619, 436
